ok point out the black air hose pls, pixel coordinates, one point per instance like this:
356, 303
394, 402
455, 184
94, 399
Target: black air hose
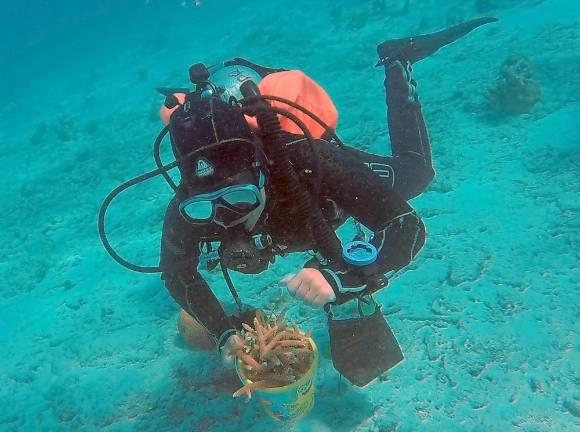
283, 174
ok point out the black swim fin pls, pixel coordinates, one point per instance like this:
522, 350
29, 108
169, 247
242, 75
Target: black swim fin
415, 48
363, 348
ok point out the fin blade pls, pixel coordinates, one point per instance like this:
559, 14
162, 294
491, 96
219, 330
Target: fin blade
415, 48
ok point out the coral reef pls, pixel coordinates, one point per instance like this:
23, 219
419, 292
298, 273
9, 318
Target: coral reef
515, 90
273, 353
64, 129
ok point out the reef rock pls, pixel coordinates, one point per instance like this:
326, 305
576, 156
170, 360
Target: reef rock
515, 90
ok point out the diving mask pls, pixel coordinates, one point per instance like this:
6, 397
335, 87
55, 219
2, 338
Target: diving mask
228, 206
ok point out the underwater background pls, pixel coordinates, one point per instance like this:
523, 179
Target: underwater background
487, 315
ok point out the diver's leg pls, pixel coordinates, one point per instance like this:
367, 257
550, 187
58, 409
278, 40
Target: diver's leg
409, 170
409, 137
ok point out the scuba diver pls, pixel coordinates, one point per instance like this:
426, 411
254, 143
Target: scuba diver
263, 174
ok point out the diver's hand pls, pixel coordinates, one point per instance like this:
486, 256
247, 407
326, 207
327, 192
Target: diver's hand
228, 350
310, 286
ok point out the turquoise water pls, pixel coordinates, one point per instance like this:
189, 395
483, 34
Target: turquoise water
487, 315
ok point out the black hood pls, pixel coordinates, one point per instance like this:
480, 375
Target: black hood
201, 122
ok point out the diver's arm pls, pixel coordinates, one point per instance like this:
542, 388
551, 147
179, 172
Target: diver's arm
398, 232
397, 245
179, 259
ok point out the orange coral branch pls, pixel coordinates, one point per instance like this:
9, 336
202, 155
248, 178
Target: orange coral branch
274, 353
248, 328
250, 361
247, 389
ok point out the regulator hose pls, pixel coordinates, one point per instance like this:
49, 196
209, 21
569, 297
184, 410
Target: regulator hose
283, 175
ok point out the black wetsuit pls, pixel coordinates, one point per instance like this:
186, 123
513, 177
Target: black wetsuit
372, 189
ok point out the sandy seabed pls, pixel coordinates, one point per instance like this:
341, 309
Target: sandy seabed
487, 315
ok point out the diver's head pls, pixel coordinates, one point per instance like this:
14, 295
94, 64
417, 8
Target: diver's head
237, 202
224, 179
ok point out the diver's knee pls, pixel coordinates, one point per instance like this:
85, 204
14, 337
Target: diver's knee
417, 183
194, 333
428, 176
423, 180
420, 239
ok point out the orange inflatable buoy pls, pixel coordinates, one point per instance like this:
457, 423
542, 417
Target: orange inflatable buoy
298, 87
168, 108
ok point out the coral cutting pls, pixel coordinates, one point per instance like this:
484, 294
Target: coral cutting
272, 353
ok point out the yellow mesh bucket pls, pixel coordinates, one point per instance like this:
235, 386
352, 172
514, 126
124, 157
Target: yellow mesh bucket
290, 402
